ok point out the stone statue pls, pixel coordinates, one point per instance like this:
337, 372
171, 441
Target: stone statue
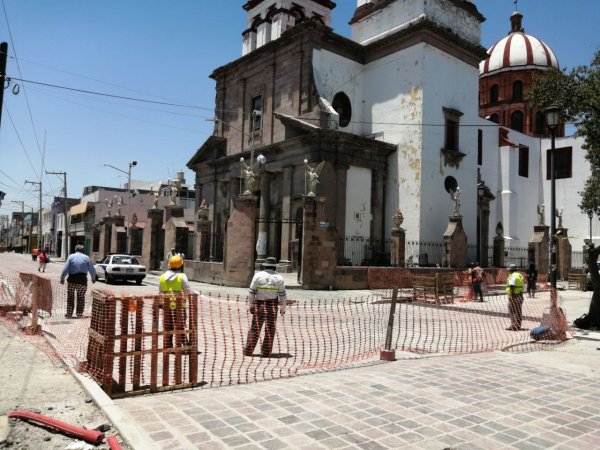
559, 214
134, 219
312, 176
119, 201
156, 196
455, 196
540, 211
174, 188
203, 210
109, 204
249, 174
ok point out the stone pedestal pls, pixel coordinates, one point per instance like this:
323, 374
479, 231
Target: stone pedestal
498, 252
176, 230
563, 256
319, 251
455, 244
398, 247
238, 256
153, 243
539, 248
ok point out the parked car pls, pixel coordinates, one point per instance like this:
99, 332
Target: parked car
120, 267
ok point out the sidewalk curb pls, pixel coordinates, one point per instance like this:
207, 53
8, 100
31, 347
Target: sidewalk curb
120, 419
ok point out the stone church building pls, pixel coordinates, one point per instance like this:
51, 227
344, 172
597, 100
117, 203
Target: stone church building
406, 113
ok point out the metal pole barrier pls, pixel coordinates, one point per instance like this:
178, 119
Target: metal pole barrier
389, 354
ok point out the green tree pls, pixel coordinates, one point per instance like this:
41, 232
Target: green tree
577, 93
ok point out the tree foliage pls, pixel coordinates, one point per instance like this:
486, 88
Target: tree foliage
577, 93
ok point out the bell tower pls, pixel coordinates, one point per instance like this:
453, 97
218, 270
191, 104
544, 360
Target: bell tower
269, 19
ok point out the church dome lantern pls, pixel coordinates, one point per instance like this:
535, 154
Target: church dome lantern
518, 51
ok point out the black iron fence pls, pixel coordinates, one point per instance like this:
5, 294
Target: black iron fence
363, 251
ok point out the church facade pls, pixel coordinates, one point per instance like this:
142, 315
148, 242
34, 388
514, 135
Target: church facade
396, 115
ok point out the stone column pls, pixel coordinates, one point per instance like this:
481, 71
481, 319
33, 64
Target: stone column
377, 206
286, 211
262, 239
341, 170
539, 248
202, 250
239, 242
564, 253
118, 235
152, 242
319, 250
455, 244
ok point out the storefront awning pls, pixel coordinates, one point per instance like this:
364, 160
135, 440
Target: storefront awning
81, 208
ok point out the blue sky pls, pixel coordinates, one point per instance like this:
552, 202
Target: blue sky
164, 52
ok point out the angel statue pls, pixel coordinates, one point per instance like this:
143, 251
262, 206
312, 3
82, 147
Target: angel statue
559, 214
540, 211
119, 201
312, 176
156, 196
455, 196
109, 204
249, 176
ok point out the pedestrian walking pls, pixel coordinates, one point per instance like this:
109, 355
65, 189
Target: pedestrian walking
514, 290
43, 260
75, 271
267, 296
532, 275
174, 283
34, 253
476, 280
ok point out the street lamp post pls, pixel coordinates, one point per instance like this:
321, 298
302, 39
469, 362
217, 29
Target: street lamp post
128, 173
552, 115
590, 214
480, 238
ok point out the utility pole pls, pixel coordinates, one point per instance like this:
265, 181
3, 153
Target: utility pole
3, 56
22, 223
64, 250
39, 235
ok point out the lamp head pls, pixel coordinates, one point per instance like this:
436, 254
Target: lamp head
552, 116
133, 163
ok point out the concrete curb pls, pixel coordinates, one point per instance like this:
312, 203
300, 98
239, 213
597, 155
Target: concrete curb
120, 419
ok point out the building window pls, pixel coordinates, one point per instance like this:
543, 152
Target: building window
524, 162
564, 163
495, 118
452, 125
479, 147
494, 94
256, 115
341, 104
518, 90
516, 121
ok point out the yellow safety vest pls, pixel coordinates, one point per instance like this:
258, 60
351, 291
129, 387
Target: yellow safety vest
519, 281
175, 285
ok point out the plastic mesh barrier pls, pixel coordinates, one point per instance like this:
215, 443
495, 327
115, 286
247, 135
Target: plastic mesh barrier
159, 342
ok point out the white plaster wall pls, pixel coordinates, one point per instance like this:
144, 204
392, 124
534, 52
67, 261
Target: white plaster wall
399, 14
358, 204
456, 87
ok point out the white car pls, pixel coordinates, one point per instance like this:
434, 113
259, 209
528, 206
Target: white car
120, 267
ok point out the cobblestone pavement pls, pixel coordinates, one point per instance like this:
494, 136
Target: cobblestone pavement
496, 400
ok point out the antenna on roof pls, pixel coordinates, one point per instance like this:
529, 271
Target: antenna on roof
516, 2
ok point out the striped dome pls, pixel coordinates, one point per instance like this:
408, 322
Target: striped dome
518, 51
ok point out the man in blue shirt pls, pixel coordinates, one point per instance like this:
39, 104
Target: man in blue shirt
76, 267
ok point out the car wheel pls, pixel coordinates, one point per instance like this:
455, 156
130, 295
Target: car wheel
138, 282
108, 279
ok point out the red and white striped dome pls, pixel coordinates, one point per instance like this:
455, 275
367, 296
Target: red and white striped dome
518, 51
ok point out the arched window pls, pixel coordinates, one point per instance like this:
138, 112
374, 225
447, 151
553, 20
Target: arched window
494, 118
516, 121
494, 94
518, 90
341, 104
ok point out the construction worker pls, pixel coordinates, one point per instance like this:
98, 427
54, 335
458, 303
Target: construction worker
174, 283
34, 253
514, 291
267, 292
